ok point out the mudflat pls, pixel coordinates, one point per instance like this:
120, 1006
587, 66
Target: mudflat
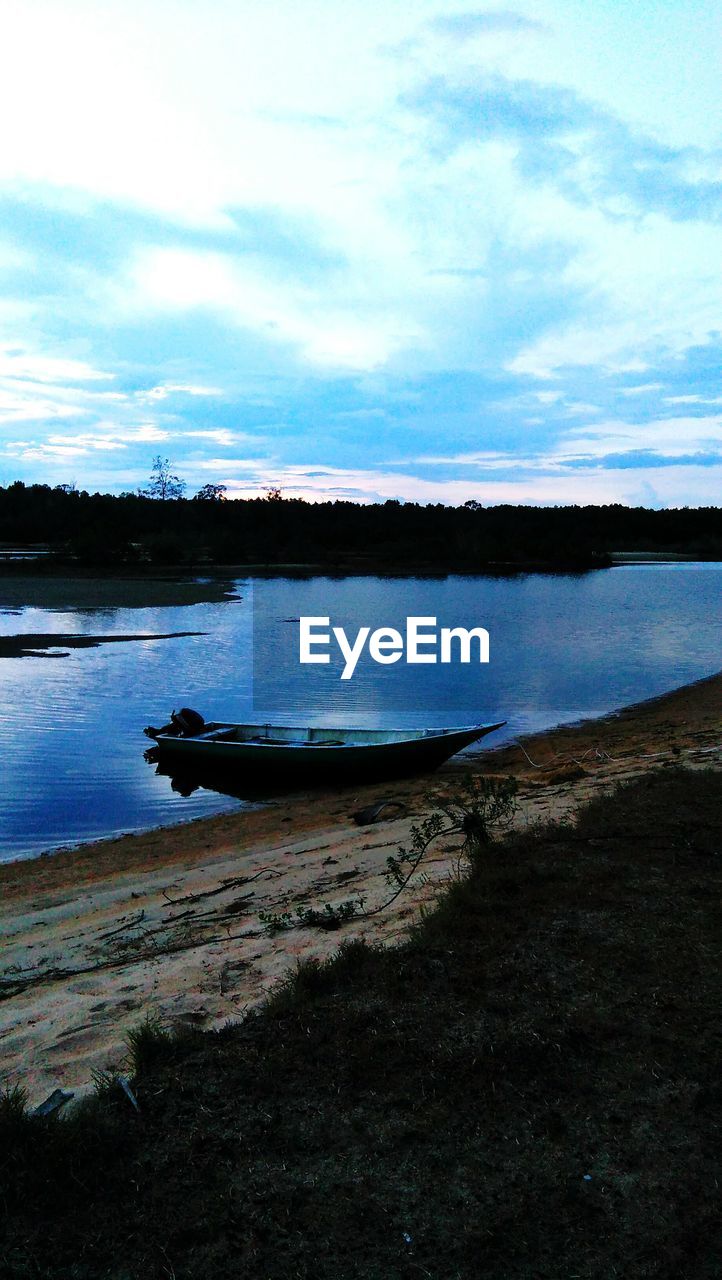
67, 592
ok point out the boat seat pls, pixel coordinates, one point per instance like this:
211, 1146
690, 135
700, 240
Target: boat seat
296, 742
277, 742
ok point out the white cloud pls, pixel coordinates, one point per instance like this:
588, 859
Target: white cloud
220, 436
230, 465
655, 287
165, 389
327, 332
478, 458
693, 400
86, 441
29, 452
577, 408
147, 434
36, 367
670, 437
643, 389
61, 446
23, 408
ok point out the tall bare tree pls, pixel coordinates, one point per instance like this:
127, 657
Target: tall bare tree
163, 483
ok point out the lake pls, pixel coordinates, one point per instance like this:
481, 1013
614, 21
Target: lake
562, 648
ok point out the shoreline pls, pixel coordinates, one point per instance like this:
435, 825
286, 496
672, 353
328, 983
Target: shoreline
355, 566
459, 764
471, 759
165, 922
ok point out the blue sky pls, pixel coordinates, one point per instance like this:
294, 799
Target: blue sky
370, 250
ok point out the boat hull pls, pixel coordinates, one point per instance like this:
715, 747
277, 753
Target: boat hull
352, 754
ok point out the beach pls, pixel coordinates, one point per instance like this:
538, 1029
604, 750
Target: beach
166, 924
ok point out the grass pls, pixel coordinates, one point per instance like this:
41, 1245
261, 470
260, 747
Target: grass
528, 1087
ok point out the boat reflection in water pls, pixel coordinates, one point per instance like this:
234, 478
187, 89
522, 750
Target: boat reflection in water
186, 779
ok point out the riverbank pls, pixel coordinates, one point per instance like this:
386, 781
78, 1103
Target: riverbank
166, 923
58, 568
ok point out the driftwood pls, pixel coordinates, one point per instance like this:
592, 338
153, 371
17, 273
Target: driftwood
53, 1103
373, 812
10, 987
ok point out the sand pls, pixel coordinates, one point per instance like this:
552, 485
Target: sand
166, 923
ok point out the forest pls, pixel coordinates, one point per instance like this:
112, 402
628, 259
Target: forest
74, 527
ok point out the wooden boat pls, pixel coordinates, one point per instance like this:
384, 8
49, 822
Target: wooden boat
275, 751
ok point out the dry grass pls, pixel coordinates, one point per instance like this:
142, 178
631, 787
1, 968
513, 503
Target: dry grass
529, 1087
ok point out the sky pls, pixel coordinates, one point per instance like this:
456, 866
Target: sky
366, 250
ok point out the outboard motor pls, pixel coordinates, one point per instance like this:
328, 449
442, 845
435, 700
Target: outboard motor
188, 722
185, 723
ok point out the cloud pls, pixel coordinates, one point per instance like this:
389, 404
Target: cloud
147, 434
17, 362
465, 26
164, 390
29, 452
672, 437
693, 399
61, 446
644, 459
32, 408
87, 441
326, 332
611, 445
487, 459
586, 151
229, 439
579, 408
228, 466
642, 390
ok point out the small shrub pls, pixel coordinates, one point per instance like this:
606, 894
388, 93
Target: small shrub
13, 1105
18, 1137
148, 1043
332, 917
105, 1083
276, 921
483, 803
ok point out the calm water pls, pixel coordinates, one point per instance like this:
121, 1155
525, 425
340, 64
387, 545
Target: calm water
562, 648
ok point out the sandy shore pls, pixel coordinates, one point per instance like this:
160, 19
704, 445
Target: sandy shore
167, 923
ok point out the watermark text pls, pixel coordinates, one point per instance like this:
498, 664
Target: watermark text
422, 642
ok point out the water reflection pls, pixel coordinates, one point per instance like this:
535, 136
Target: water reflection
186, 781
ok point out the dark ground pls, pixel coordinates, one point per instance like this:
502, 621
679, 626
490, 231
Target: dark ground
530, 1087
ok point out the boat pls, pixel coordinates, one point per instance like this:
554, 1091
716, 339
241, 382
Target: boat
273, 752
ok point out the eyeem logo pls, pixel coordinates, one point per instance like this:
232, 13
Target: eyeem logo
421, 644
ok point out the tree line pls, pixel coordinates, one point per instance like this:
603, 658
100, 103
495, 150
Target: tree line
149, 527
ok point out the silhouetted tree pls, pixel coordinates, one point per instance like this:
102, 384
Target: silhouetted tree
163, 484
211, 493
